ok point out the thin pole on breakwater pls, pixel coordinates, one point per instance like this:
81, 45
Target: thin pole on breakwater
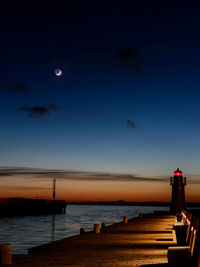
54, 189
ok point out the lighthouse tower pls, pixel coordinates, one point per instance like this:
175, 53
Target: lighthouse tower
178, 183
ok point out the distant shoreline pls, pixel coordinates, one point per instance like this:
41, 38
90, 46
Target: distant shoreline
124, 203
103, 203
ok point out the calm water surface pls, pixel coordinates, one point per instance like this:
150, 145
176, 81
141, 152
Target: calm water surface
30, 231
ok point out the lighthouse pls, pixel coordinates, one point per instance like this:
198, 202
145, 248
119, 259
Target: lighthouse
178, 183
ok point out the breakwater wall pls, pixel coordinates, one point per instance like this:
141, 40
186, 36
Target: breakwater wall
191, 219
24, 206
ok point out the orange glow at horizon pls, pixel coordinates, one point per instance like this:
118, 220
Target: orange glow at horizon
95, 191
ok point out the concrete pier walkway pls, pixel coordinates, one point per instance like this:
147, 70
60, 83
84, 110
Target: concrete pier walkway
140, 242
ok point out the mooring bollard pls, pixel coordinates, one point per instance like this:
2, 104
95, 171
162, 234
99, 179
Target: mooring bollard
82, 230
97, 228
5, 254
125, 219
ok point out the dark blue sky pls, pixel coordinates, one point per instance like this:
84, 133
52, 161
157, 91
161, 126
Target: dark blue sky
136, 61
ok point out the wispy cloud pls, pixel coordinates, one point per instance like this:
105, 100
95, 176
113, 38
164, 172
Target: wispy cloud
193, 179
15, 87
189, 85
28, 188
125, 60
39, 111
130, 60
131, 124
44, 174
77, 175
127, 54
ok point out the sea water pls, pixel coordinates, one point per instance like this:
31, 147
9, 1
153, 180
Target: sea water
29, 231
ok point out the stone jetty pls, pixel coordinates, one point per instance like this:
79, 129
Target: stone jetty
137, 242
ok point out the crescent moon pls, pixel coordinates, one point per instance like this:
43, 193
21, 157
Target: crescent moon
58, 72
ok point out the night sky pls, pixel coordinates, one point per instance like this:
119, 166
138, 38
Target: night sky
126, 105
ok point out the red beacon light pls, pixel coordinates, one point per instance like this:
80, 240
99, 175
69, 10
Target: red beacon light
178, 173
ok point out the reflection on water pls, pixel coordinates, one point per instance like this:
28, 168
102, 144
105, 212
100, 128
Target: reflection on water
53, 227
30, 231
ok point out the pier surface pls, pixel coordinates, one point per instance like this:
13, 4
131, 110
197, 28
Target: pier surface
140, 242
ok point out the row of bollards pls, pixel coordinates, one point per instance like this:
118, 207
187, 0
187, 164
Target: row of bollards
97, 228
5, 254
